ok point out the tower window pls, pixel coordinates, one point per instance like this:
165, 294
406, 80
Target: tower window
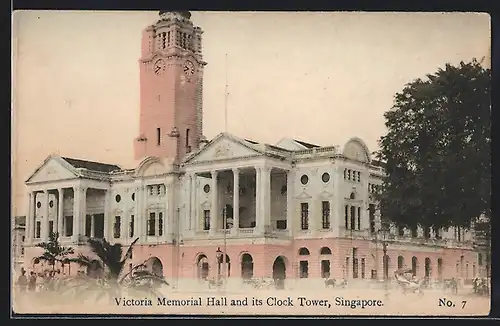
163, 39
168, 38
158, 136
188, 148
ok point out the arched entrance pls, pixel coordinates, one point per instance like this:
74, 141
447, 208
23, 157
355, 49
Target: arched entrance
279, 268
154, 266
414, 265
440, 268
386, 264
427, 267
202, 267
246, 266
401, 262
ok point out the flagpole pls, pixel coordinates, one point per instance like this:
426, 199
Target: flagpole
225, 98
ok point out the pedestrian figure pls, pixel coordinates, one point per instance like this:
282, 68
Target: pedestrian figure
32, 282
22, 281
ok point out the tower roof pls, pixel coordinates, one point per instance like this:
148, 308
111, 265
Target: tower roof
185, 14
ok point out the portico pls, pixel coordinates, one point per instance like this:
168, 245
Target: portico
232, 176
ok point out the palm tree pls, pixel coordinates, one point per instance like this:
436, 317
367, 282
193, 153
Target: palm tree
53, 251
107, 276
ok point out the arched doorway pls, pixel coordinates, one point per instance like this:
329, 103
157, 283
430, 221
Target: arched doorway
154, 266
202, 267
440, 268
227, 267
386, 264
279, 268
414, 265
401, 262
427, 267
325, 263
246, 266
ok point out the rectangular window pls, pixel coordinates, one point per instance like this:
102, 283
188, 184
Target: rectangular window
88, 225
160, 224
359, 218
304, 269
158, 136
68, 226
206, 220
359, 176
281, 225
51, 227
325, 268
414, 232
38, 229
348, 174
131, 226
353, 218
355, 268
188, 148
151, 224
371, 212
326, 214
117, 227
346, 268
346, 215
363, 266
304, 216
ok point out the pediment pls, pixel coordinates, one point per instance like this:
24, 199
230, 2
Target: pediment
52, 170
304, 195
151, 166
223, 148
356, 150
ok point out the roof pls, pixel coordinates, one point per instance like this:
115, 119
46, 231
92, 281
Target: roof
251, 141
378, 163
90, 165
308, 145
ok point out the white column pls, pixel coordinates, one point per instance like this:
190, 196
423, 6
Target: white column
60, 212
195, 217
236, 201
107, 217
171, 212
137, 213
266, 172
92, 222
77, 201
289, 201
144, 213
45, 220
83, 214
214, 209
30, 217
258, 200
190, 206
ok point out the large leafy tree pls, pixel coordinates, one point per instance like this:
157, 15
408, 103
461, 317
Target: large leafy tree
437, 150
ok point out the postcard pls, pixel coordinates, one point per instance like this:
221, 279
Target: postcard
251, 163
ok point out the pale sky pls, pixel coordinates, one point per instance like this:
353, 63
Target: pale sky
317, 77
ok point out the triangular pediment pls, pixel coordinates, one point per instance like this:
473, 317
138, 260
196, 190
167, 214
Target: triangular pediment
224, 147
304, 195
52, 169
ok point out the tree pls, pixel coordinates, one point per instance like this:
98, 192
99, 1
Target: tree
437, 150
113, 278
53, 251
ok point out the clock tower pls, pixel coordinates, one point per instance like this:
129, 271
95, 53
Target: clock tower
171, 82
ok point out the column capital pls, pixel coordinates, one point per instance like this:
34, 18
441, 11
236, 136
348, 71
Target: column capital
236, 170
214, 173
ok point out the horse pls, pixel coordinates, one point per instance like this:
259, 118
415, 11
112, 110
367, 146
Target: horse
329, 282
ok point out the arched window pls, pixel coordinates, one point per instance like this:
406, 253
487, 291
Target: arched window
303, 251
325, 251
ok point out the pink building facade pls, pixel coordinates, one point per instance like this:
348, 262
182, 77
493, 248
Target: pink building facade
293, 209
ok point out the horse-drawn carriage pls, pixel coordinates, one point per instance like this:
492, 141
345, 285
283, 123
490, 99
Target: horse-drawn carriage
408, 282
331, 282
260, 283
480, 286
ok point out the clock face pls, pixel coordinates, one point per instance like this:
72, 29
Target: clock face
188, 68
159, 67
